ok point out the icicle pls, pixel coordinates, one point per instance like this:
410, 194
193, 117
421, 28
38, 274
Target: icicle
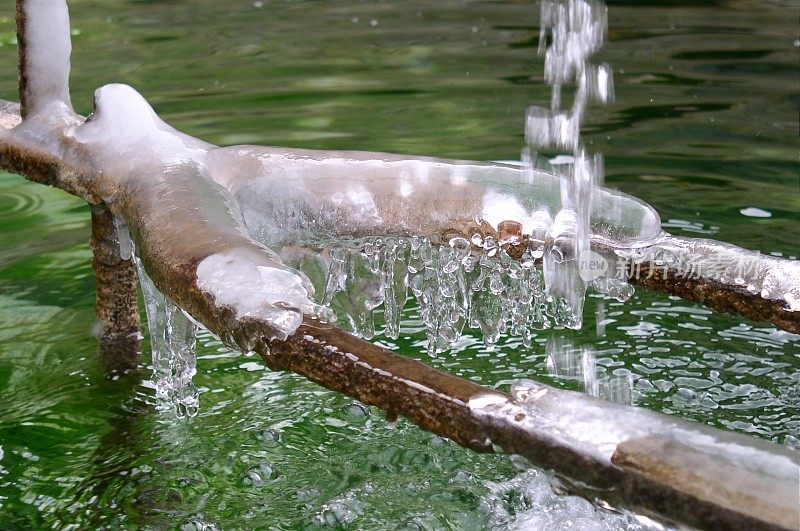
172, 340
455, 285
395, 271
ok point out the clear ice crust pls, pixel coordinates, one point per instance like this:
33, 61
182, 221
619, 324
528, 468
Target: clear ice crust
275, 234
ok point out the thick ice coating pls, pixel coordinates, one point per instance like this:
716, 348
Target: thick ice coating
660, 448
45, 87
305, 195
189, 202
178, 214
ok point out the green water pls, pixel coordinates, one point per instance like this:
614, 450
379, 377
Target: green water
705, 125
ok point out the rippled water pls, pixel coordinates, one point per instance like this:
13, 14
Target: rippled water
704, 128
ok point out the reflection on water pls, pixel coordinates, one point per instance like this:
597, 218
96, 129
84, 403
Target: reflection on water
443, 78
567, 362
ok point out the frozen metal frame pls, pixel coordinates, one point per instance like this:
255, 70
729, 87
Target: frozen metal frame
721, 483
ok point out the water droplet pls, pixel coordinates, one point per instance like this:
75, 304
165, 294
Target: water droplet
268, 438
356, 410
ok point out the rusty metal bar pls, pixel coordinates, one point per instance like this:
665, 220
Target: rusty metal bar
116, 305
656, 474
721, 297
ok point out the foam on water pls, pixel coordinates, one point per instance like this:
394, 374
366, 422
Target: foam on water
529, 501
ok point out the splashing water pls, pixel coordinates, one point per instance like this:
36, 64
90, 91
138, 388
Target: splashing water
532, 500
173, 339
565, 361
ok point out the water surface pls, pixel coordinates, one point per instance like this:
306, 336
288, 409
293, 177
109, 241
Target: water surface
704, 127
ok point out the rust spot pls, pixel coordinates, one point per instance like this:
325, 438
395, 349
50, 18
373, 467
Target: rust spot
510, 231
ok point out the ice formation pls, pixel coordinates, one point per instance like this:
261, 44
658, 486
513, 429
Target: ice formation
273, 234
462, 237
566, 361
769, 277
260, 232
313, 197
222, 211
172, 342
428, 212
457, 285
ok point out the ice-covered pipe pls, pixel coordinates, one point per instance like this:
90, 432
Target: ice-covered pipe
302, 195
673, 464
183, 200
44, 48
162, 180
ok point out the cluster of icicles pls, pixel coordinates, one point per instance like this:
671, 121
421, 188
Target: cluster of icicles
173, 341
465, 283
474, 282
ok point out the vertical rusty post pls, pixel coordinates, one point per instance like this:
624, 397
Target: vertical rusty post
22, 47
44, 80
117, 308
